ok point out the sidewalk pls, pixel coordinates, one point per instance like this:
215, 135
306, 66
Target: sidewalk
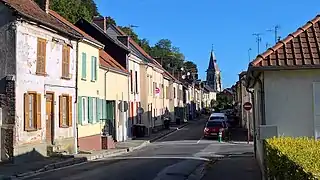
237, 167
42, 164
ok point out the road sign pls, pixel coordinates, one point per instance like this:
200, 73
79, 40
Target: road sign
123, 106
157, 91
247, 106
140, 110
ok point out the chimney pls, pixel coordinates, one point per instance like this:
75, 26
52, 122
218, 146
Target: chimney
124, 40
44, 5
101, 22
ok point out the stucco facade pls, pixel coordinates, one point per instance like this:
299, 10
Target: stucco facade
27, 80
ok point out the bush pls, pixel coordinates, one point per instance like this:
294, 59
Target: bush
290, 158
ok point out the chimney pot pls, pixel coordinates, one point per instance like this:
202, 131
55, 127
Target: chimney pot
44, 5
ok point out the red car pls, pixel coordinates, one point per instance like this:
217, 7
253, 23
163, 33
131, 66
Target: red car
213, 128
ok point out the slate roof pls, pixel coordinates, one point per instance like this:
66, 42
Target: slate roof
298, 50
31, 11
66, 22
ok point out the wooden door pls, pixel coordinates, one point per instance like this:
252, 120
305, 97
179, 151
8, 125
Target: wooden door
49, 118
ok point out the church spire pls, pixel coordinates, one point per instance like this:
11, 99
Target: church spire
213, 61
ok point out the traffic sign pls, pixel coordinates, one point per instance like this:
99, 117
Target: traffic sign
157, 91
123, 106
247, 106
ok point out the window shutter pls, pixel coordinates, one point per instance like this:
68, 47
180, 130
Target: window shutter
99, 106
26, 111
92, 75
84, 65
90, 110
70, 111
60, 111
95, 68
104, 109
38, 107
80, 102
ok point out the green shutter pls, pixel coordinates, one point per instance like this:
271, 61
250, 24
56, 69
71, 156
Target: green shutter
95, 68
90, 110
104, 109
99, 105
92, 69
80, 110
84, 66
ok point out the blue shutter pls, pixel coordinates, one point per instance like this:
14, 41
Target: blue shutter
99, 104
90, 110
84, 66
80, 110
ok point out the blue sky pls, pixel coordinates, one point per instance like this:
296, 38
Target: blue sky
194, 26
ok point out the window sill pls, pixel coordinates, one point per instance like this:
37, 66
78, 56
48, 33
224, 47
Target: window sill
31, 130
83, 79
64, 126
41, 74
65, 78
93, 80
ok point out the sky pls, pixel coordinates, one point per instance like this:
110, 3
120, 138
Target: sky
227, 25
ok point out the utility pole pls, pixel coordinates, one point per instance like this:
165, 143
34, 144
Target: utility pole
275, 30
249, 53
258, 40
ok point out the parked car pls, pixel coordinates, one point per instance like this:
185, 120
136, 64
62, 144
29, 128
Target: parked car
212, 129
219, 117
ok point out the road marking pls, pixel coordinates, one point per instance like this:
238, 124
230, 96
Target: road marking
178, 129
199, 140
159, 157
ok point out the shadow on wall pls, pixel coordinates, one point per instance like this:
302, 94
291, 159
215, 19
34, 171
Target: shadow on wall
22, 163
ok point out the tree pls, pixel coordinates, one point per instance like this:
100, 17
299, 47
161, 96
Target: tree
190, 66
223, 101
110, 20
73, 10
129, 31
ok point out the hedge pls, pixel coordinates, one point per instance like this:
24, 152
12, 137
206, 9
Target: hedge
290, 158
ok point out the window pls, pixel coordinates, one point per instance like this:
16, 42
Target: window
32, 111
66, 61
150, 86
84, 66
93, 68
136, 81
41, 56
154, 88
131, 81
65, 111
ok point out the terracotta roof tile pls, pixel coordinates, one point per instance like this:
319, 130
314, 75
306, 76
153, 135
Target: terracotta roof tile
299, 49
66, 22
107, 61
30, 10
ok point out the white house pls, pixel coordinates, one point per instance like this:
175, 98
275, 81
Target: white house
285, 81
38, 58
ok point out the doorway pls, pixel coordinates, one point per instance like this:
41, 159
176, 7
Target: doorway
49, 117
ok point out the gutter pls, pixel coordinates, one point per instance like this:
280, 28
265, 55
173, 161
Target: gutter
76, 139
114, 70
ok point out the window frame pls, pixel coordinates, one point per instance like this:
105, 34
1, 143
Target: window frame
69, 108
65, 62
36, 111
94, 69
41, 58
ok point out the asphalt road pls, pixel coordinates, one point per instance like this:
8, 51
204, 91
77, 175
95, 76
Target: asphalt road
176, 157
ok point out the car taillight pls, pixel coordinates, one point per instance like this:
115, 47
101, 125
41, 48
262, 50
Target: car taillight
206, 129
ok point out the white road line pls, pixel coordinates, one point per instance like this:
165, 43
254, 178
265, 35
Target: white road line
199, 140
170, 134
161, 157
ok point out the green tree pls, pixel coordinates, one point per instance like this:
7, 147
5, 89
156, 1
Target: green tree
73, 10
190, 66
129, 31
223, 101
110, 20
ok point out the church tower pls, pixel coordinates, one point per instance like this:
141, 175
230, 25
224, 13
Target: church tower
214, 74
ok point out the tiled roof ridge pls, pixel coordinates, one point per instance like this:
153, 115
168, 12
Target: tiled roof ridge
282, 42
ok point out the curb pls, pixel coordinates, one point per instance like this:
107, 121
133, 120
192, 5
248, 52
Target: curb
169, 132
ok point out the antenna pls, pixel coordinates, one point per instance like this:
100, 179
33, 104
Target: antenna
249, 53
258, 40
275, 30
132, 26
267, 45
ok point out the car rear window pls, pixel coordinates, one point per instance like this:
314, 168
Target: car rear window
215, 124
216, 118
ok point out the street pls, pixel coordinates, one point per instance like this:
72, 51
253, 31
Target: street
175, 156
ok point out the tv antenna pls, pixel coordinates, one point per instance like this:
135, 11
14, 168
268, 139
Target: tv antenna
258, 40
275, 30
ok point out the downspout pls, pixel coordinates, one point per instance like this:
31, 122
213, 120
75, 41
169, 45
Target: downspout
76, 139
126, 124
254, 122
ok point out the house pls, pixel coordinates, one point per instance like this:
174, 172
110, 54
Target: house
246, 117
94, 108
208, 96
38, 81
285, 84
120, 53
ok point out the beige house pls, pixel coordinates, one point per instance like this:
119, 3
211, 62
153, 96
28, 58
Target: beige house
285, 81
246, 117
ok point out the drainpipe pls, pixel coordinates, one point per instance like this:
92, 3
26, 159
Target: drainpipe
76, 138
126, 123
254, 121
